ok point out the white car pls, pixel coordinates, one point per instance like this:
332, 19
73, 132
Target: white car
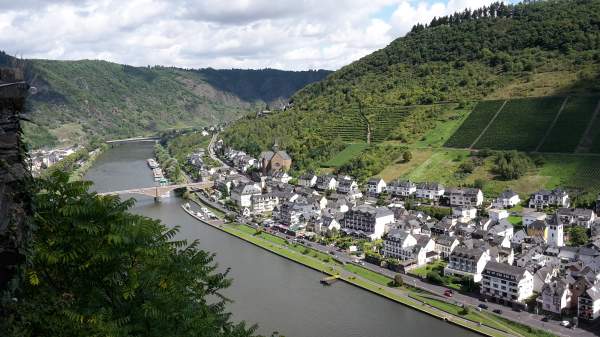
565, 323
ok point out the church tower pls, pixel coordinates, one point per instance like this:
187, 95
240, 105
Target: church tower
555, 232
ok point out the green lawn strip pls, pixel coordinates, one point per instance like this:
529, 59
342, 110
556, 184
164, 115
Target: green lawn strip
275, 248
456, 310
342, 157
515, 220
368, 274
522, 329
417, 305
422, 271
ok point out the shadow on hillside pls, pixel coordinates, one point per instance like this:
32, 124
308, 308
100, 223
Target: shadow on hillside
266, 85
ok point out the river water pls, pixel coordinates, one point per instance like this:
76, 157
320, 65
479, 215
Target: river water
277, 294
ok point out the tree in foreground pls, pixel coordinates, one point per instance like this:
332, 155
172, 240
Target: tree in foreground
96, 270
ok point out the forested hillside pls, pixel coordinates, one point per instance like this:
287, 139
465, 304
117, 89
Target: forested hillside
78, 100
436, 73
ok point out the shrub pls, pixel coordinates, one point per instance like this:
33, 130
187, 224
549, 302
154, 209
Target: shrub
512, 164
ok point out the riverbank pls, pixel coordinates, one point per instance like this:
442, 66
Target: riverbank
80, 172
331, 267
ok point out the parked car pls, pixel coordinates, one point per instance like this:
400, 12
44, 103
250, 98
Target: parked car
483, 306
483, 299
448, 293
545, 319
517, 309
497, 311
565, 323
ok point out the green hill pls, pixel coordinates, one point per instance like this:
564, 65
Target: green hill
77, 100
434, 75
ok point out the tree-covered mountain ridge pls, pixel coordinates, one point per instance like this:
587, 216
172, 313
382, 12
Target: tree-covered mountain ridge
544, 48
79, 100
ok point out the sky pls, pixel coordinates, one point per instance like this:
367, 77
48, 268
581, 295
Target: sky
223, 34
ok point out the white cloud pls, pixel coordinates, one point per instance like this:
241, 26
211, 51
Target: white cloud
288, 34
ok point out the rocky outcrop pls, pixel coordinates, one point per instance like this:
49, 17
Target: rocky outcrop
14, 177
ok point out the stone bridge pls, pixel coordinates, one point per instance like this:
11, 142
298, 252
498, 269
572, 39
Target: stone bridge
158, 192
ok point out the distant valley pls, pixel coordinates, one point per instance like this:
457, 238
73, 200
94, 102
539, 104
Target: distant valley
81, 100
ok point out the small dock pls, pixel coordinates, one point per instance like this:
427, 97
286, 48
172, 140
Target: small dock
329, 280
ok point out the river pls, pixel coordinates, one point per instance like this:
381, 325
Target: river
277, 294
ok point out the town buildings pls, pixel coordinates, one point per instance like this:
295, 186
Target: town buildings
505, 283
367, 221
545, 198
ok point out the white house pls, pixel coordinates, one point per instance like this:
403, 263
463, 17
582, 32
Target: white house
497, 214
507, 284
445, 245
350, 187
464, 213
307, 180
589, 303
467, 262
506, 199
405, 246
576, 216
242, 193
375, 186
402, 188
326, 182
530, 216
367, 221
465, 197
431, 191
262, 203
556, 296
281, 177
544, 198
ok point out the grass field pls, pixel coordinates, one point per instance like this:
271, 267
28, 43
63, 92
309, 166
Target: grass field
347, 154
479, 118
367, 274
572, 123
521, 124
579, 172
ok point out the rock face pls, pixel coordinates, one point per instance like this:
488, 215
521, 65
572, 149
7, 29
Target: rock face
14, 177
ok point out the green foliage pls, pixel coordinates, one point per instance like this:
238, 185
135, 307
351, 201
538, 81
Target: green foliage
371, 161
96, 270
37, 136
435, 277
512, 164
472, 127
170, 166
435, 212
521, 124
578, 236
398, 280
348, 153
571, 124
